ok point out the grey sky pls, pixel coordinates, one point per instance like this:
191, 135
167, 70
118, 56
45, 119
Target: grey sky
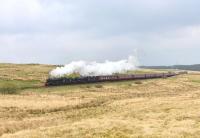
163, 32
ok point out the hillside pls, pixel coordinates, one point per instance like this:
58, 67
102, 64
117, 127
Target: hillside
181, 67
147, 108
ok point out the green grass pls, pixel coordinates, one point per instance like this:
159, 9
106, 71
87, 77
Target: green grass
142, 71
8, 88
14, 86
196, 81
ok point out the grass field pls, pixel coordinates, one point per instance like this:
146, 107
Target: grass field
149, 108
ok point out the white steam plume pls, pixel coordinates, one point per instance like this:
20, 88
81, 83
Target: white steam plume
95, 69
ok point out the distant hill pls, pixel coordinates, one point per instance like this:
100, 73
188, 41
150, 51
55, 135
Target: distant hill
195, 67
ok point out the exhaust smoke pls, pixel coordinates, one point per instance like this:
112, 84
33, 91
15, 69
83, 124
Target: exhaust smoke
84, 68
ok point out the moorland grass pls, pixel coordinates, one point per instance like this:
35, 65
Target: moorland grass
8, 88
159, 108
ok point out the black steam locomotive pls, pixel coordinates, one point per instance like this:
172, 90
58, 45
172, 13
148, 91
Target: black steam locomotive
95, 79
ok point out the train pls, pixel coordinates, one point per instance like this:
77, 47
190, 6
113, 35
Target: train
108, 78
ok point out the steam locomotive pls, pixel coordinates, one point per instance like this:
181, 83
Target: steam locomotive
95, 79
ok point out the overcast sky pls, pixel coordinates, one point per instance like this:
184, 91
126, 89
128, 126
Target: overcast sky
163, 32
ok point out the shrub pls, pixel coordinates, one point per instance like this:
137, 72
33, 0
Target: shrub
98, 86
138, 82
8, 88
73, 75
88, 86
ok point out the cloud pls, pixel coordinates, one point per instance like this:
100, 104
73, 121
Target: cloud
57, 32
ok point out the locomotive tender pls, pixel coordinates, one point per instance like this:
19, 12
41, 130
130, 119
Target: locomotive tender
95, 79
